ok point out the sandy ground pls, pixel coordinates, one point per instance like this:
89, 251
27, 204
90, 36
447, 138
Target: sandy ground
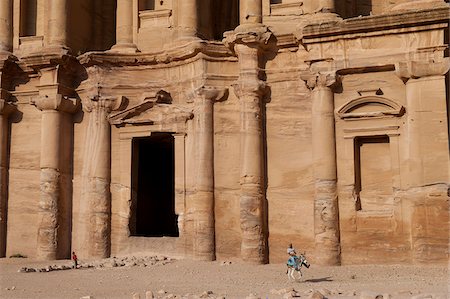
233, 279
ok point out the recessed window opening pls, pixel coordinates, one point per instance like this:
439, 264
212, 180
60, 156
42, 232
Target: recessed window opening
153, 181
225, 17
28, 17
147, 4
373, 172
353, 8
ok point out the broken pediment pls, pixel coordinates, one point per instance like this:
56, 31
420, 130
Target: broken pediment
151, 112
371, 106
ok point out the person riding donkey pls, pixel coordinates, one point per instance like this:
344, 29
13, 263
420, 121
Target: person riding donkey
295, 263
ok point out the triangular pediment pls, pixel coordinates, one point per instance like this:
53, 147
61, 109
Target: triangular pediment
150, 113
371, 106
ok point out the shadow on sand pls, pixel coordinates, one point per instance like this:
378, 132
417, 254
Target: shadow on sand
323, 279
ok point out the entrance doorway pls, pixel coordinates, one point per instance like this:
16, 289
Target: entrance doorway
153, 182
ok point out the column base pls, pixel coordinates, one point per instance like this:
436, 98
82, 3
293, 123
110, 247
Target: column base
124, 48
56, 49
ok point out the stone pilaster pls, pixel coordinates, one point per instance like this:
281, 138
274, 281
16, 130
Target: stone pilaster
248, 43
97, 174
52, 107
425, 99
6, 30
124, 27
6, 108
326, 213
203, 201
426, 157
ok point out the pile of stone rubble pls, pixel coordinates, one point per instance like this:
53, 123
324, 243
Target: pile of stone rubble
288, 293
132, 261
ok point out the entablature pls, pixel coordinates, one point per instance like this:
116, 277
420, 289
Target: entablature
337, 29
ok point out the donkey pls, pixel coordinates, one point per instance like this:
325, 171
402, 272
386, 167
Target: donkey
295, 264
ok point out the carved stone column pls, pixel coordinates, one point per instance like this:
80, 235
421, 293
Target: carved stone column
204, 230
248, 46
97, 173
250, 11
57, 23
326, 213
6, 30
124, 27
6, 109
327, 6
52, 108
187, 18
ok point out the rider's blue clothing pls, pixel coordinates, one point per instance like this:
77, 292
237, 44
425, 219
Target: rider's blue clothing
292, 261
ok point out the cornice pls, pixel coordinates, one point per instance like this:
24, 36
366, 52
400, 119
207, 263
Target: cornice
176, 53
375, 23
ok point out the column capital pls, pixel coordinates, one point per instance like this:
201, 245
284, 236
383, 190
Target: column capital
417, 69
6, 108
252, 35
104, 103
315, 80
57, 102
211, 93
250, 87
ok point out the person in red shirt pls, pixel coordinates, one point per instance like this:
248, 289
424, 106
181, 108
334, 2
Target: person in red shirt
75, 260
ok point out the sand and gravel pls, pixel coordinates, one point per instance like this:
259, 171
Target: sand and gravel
161, 277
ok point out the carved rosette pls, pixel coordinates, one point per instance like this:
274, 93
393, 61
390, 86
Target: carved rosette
203, 199
6, 108
326, 215
97, 173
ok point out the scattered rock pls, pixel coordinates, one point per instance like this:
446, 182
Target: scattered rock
325, 292
291, 294
252, 296
149, 295
423, 296
136, 296
87, 297
372, 295
161, 292
316, 295
205, 294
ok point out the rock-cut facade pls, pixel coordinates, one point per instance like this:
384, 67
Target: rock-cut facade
210, 129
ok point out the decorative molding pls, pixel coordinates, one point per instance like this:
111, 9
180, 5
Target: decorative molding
389, 108
287, 9
155, 18
150, 112
375, 23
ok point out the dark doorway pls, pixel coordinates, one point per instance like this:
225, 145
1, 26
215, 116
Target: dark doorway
153, 180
